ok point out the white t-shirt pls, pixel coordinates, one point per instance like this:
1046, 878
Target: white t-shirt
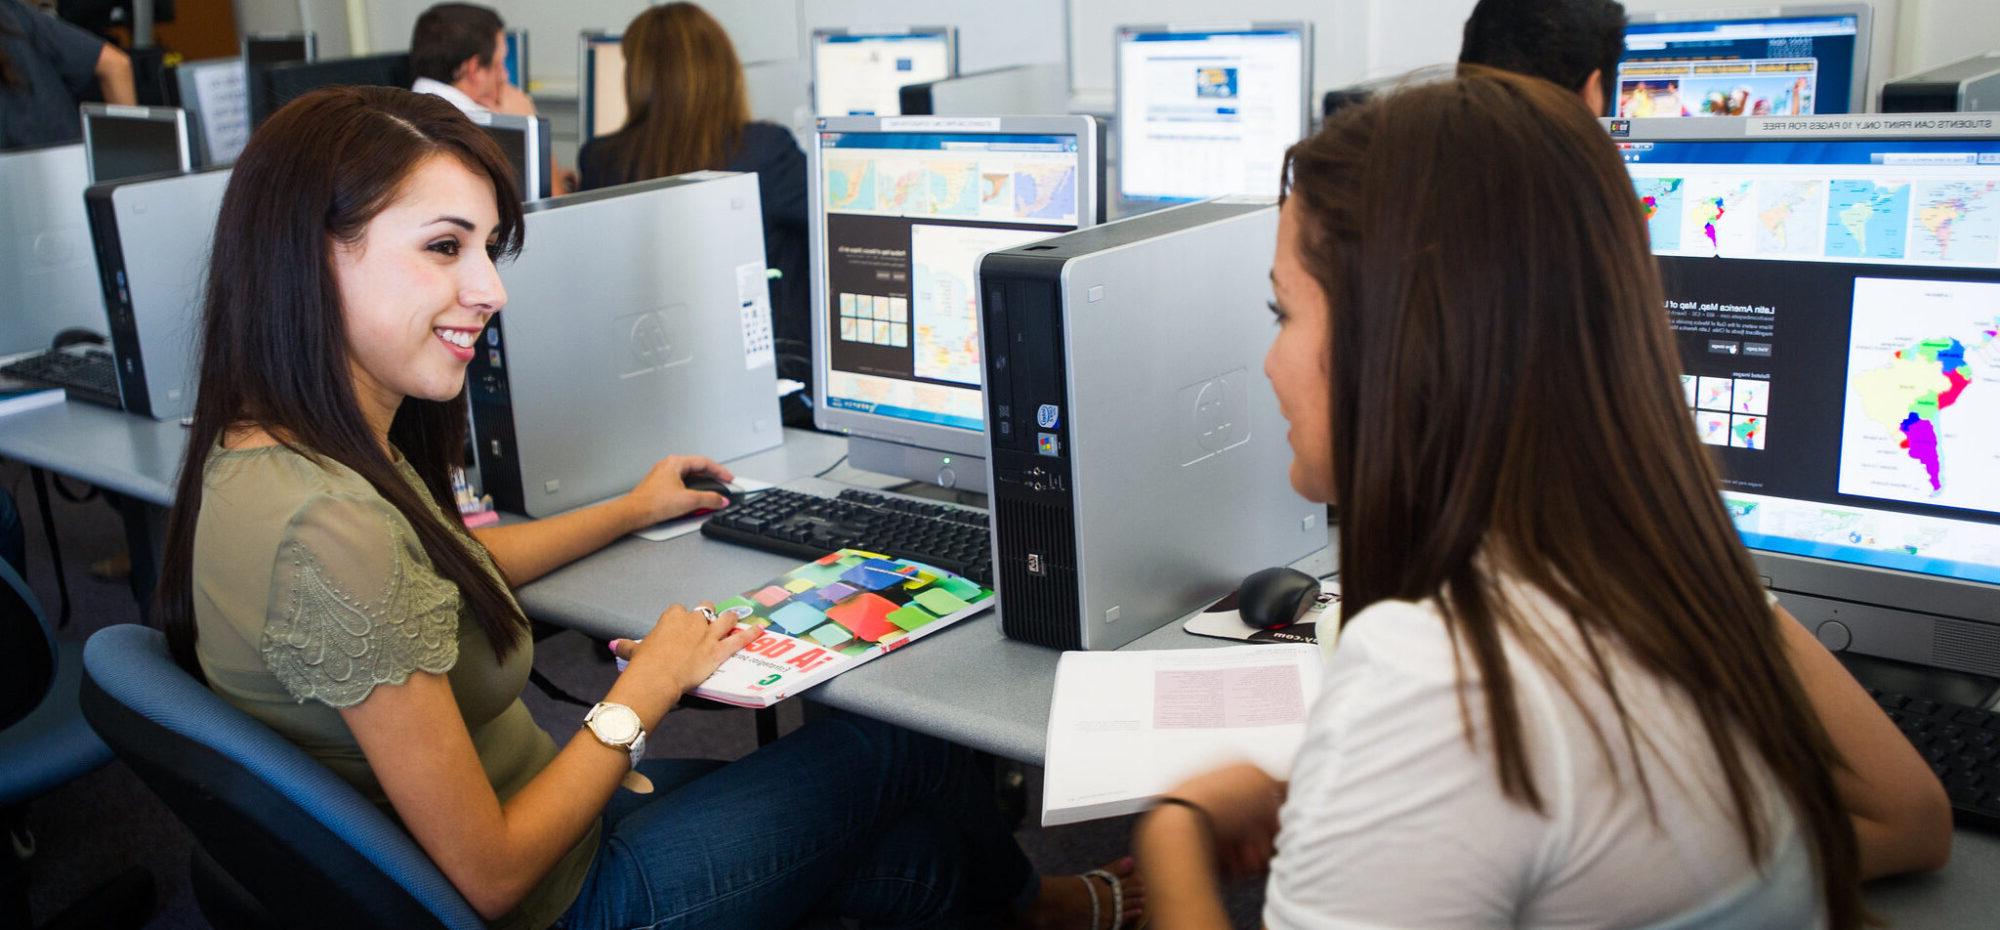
1393, 820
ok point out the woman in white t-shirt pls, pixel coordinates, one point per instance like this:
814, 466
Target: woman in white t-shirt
1561, 697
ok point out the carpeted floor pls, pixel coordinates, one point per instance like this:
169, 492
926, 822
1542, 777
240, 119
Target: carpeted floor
106, 822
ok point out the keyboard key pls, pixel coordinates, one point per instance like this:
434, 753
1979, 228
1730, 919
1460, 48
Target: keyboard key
1921, 707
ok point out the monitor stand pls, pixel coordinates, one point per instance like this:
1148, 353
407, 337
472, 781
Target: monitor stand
925, 466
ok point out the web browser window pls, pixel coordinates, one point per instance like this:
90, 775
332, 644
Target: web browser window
1837, 306
908, 216
1207, 114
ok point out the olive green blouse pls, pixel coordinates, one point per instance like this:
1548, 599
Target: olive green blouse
310, 589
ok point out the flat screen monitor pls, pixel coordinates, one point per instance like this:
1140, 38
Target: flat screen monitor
278, 49
283, 83
263, 52
1796, 61
125, 142
218, 107
902, 210
526, 141
1207, 113
862, 73
1835, 292
600, 81
517, 58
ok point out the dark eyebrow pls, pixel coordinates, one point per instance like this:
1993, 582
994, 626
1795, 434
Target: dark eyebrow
464, 224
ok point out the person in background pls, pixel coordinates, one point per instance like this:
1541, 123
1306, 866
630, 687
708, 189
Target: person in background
1575, 44
1561, 697
688, 110
317, 576
458, 51
47, 66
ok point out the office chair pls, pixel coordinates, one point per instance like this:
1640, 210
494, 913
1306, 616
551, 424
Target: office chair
280, 840
44, 743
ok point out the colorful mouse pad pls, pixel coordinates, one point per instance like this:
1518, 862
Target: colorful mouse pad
830, 614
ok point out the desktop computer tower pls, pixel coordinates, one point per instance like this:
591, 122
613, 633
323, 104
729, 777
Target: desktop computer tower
47, 277
152, 235
1137, 462
638, 324
1970, 85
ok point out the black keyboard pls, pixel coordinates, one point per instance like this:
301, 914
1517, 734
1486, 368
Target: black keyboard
1961, 744
86, 372
810, 526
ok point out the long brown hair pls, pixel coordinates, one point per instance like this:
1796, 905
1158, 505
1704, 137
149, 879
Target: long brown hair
684, 93
274, 350
1505, 399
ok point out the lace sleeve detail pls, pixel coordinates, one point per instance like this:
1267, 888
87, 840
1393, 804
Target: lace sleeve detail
353, 605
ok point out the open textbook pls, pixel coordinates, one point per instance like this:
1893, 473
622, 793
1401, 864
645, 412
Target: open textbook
1126, 726
830, 615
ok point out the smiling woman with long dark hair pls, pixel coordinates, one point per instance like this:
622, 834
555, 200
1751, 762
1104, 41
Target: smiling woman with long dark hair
317, 577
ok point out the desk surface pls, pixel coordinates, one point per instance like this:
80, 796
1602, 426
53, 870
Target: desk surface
971, 685
117, 451
968, 684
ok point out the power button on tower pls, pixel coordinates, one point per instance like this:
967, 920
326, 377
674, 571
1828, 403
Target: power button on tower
1833, 635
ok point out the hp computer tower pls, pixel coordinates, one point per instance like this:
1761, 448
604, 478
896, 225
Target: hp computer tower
638, 324
152, 236
1965, 86
1138, 465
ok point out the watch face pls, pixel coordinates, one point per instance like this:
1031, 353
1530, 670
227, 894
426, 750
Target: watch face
616, 724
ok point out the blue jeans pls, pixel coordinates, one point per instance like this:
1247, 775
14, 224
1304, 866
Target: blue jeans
846, 817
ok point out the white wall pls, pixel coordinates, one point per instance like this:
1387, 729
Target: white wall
1934, 32
991, 34
1355, 40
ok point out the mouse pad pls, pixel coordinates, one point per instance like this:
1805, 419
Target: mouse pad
1221, 620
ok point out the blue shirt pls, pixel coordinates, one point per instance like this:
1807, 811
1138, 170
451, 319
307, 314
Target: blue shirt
55, 64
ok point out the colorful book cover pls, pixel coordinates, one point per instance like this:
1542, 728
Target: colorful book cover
828, 616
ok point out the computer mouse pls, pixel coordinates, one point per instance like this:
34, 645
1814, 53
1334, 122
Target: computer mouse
74, 337
1276, 598
711, 485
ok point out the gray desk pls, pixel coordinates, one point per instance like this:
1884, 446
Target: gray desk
133, 458
973, 686
117, 451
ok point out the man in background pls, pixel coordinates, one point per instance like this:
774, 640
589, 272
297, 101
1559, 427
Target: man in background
1575, 44
458, 51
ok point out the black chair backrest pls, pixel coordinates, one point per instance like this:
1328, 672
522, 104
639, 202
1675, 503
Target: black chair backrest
302, 873
27, 650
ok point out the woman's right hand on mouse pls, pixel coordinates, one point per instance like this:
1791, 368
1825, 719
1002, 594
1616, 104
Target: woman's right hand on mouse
664, 495
683, 649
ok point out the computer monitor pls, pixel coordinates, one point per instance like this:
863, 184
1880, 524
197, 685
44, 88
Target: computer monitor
600, 85
861, 72
525, 139
1206, 113
1835, 291
126, 142
1024, 90
902, 210
1791, 61
278, 49
517, 58
264, 51
281, 84
218, 108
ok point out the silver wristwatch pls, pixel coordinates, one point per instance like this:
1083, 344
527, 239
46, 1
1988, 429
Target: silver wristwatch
617, 726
